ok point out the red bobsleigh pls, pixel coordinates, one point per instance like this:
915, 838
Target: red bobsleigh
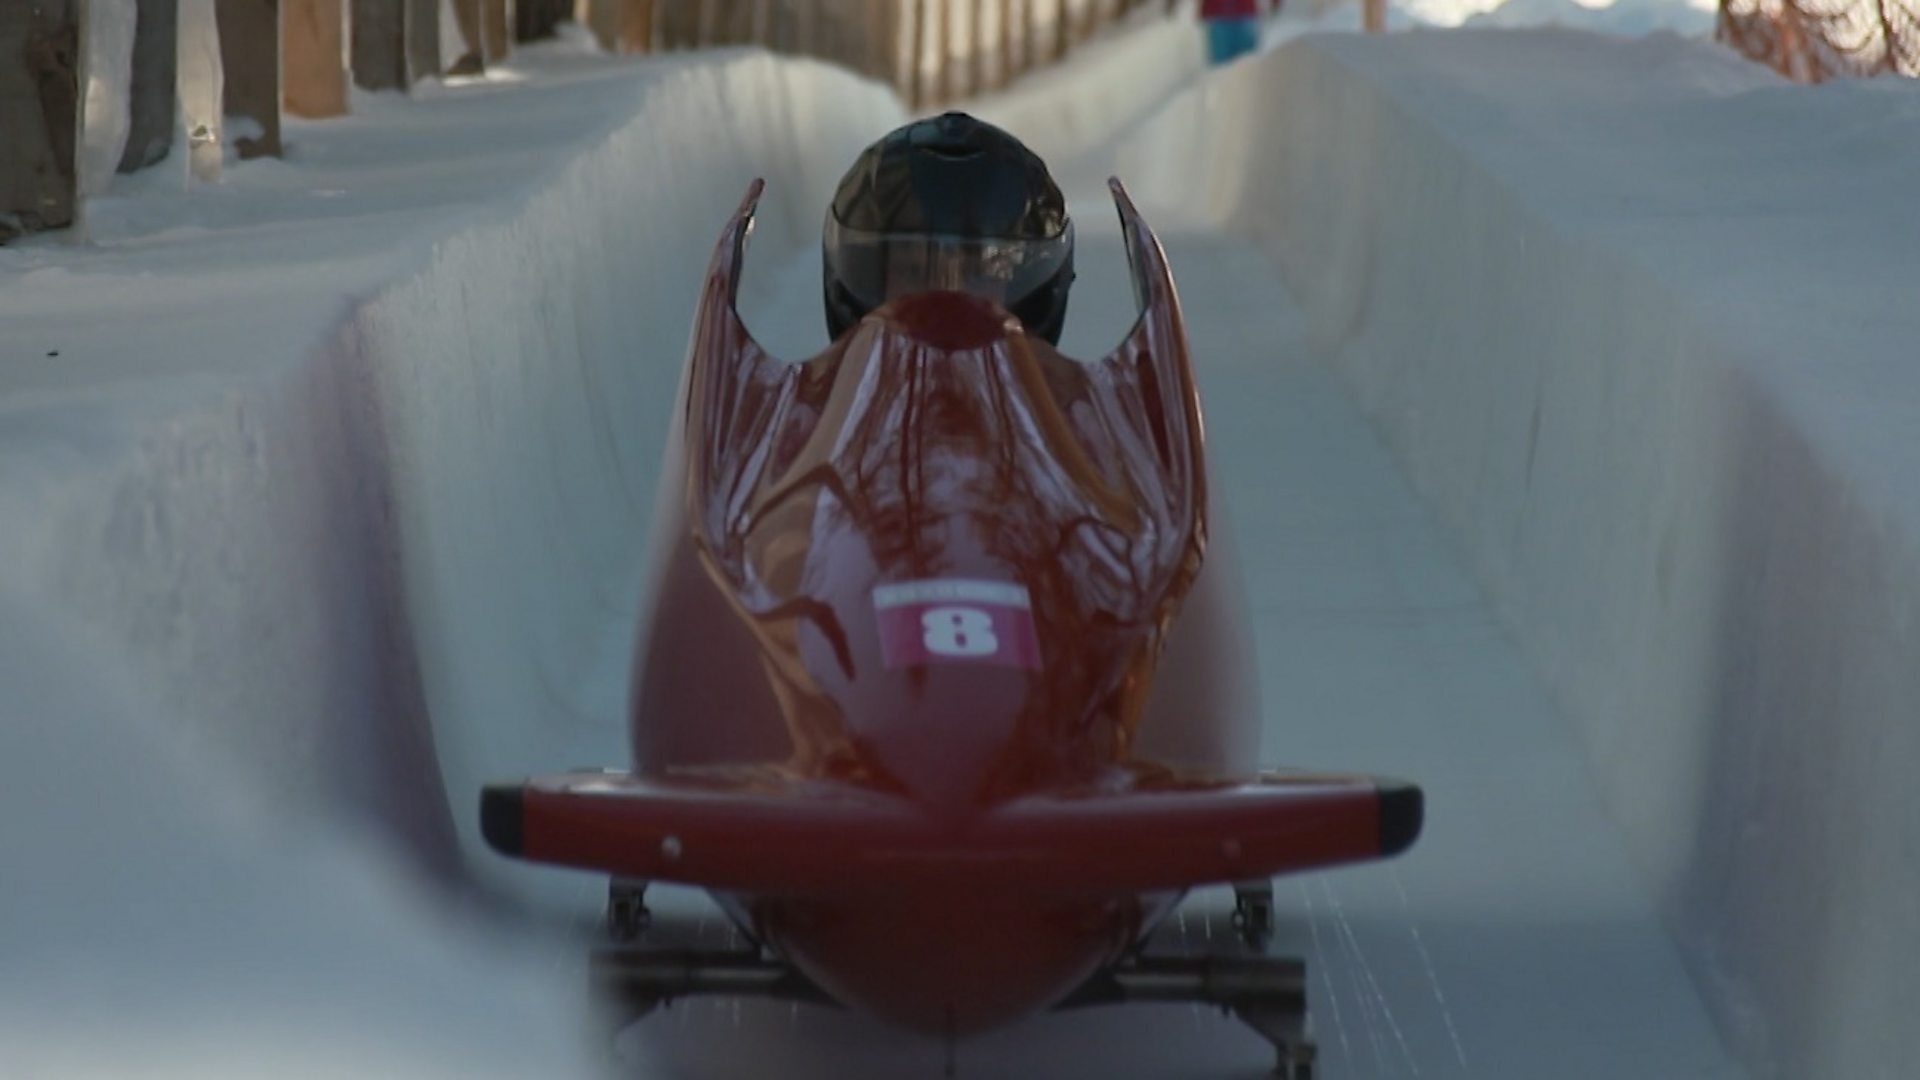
942, 691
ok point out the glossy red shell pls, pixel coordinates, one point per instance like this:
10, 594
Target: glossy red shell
939, 442
941, 686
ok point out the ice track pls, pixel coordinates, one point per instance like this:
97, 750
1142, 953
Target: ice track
322, 497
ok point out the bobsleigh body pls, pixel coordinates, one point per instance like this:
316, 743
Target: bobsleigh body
942, 687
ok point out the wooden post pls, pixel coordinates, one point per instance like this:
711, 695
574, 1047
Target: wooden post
773, 25
424, 47
827, 37
423, 39
199, 89
883, 55
1029, 34
851, 31
678, 23
314, 58
1007, 43
761, 31
156, 71
250, 61
631, 26
808, 38
470, 16
943, 55
943, 50
108, 29
536, 20
637, 20
1373, 15
917, 58
705, 23
40, 112
379, 44
532, 20
603, 19
976, 47
496, 30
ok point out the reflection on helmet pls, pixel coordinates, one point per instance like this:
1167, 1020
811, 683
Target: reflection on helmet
949, 203
877, 267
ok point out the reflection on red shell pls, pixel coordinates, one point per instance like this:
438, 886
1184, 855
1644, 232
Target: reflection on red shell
911, 697
952, 321
938, 442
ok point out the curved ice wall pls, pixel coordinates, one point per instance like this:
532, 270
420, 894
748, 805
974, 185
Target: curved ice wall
1637, 320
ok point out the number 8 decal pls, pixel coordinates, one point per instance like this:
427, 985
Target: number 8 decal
956, 621
958, 631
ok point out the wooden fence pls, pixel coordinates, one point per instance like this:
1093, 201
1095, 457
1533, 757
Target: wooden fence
928, 50
228, 70
39, 114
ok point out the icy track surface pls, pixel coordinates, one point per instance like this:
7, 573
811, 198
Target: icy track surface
320, 504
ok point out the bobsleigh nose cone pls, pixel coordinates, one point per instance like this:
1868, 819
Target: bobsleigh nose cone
946, 775
946, 739
951, 962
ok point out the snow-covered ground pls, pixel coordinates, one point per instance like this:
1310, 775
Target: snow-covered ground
1630, 18
321, 496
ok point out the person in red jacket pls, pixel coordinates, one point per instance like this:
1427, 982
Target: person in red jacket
1233, 28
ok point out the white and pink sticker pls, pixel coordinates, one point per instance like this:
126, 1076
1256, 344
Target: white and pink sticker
956, 621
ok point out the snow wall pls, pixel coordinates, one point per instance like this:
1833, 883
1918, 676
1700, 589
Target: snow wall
279, 543
1637, 321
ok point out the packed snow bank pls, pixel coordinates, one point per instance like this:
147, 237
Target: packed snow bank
338, 473
155, 926
1637, 319
527, 376
1631, 18
1628, 18
329, 505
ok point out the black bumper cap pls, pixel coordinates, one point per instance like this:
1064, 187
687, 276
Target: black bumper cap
502, 818
1403, 810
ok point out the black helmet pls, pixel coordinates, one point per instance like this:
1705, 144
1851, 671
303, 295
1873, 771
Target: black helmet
949, 203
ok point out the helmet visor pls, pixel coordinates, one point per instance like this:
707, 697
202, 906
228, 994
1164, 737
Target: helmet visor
878, 267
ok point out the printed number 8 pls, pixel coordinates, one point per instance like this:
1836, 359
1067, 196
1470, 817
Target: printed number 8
959, 631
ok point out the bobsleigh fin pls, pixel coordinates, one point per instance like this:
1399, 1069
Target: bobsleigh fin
772, 836
1146, 387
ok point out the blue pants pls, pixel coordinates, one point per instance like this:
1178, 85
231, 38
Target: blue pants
1228, 39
